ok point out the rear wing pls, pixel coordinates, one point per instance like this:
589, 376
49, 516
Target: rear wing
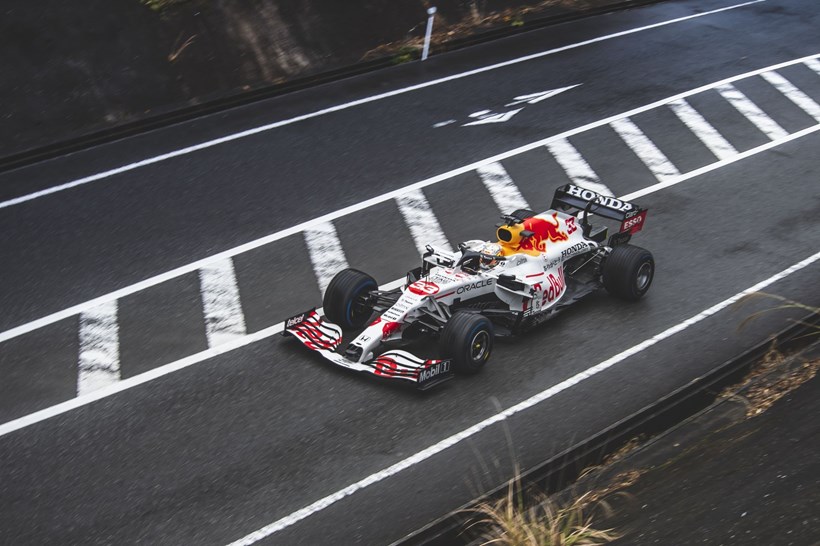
571, 196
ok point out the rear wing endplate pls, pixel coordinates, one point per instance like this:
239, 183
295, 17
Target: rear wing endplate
571, 196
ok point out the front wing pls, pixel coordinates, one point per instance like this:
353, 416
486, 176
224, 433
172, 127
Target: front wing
324, 337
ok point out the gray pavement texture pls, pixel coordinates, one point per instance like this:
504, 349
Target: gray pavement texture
722, 478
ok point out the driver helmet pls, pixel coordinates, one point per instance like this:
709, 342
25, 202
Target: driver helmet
489, 252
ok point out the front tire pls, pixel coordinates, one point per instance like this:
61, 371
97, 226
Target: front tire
467, 340
345, 298
628, 272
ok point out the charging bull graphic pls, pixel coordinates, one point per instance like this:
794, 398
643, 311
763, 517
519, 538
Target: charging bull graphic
544, 229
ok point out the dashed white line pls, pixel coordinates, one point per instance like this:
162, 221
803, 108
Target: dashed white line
502, 188
326, 253
793, 93
449, 442
337, 108
262, 241
645, 149
576, 167
753, 113
160, 371
99, 362
421, 221
224, 319
702, 129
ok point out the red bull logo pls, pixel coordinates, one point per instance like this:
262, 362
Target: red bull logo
544, 230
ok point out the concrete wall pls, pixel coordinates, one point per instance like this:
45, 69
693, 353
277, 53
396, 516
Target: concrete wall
72, 68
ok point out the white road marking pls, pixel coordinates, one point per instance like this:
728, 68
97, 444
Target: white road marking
753, 113
576, 167
502, 188
793, 93
262, 241
224, 319
814, 64
345, 106
702, 129
326, 253
645, 149
423, 224
494, 118
534, 98
99, 362
207, 354
449, 442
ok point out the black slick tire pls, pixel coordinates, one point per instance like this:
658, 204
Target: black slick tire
344, 298
467, 339
628, 272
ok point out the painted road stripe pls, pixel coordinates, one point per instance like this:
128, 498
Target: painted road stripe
814, 64
423, 224
702, 129
645, 149
752, 111
576, 167
224, 319
276, 329
793, 93
544, 395
345, 106
502, 188
326, 253
251, 245
99, 362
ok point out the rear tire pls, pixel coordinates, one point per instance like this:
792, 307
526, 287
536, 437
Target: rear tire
628, 272
344, 301
467, 340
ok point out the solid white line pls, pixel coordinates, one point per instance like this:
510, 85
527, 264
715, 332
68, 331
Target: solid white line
224, 319
421, 220
645, 149
446, 443
702, 129
502, 188
576, 167
160, 371
753, 113
251, 245
326, 253
337, 108
99, 361
793, 93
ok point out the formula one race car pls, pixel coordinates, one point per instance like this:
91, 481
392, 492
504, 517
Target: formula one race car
540, 264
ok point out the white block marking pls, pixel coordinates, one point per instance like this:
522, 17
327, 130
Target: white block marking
449, 442
224, 319
99, 362
702, 129
645, 149
276, 329
576, 166
423, 224
814, 64
752, 111
502, 188
793, 93
326, 253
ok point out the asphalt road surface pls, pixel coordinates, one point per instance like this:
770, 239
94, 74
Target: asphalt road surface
145, 395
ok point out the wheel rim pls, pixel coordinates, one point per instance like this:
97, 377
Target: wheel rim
480, 346
644, 276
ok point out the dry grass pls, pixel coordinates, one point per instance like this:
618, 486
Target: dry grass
534, 519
